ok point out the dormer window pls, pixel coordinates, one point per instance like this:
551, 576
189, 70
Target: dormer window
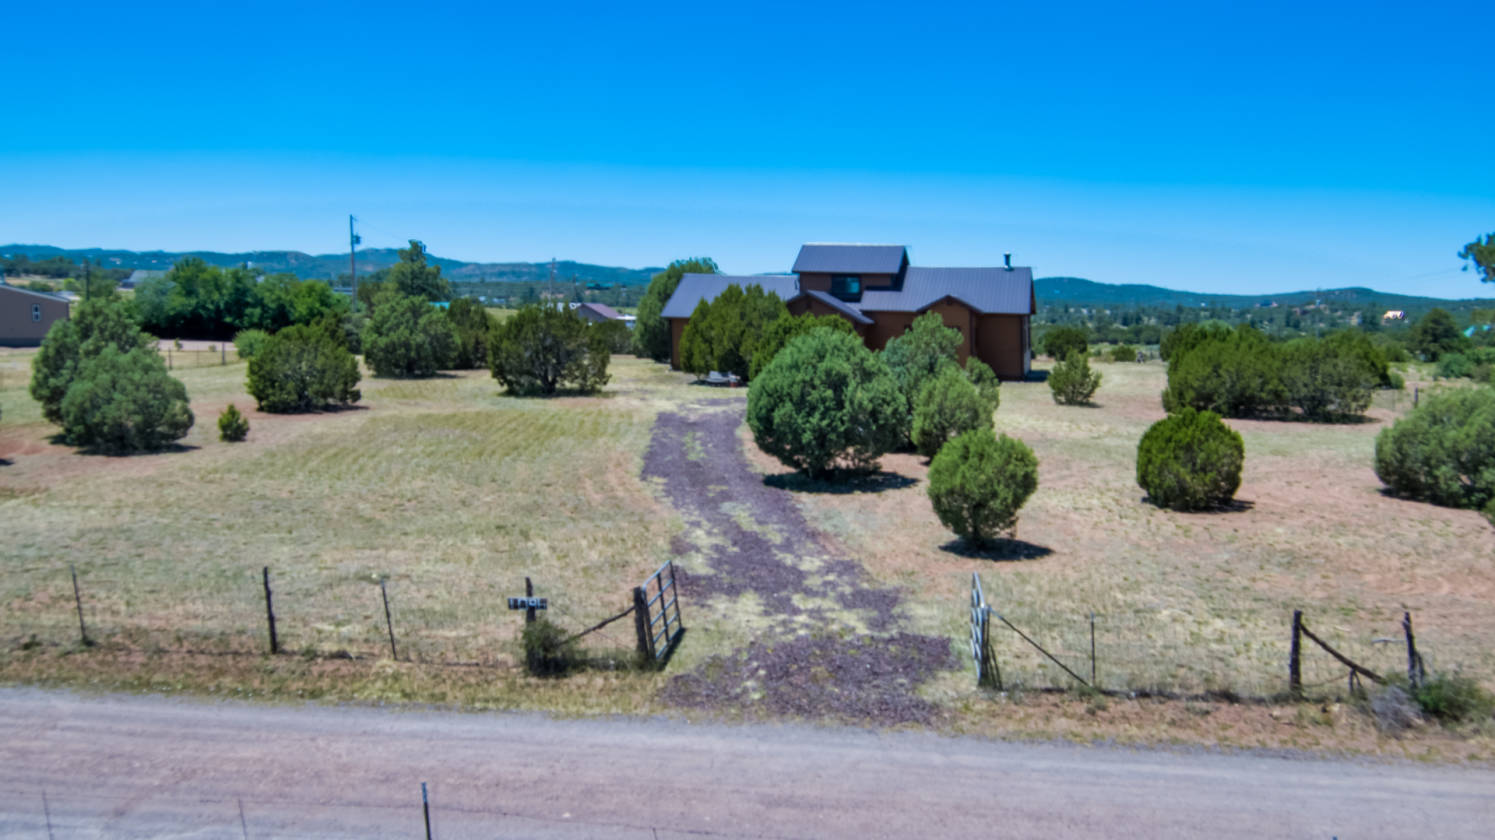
847, 286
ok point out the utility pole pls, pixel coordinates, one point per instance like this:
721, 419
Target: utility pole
550, 284
353, 240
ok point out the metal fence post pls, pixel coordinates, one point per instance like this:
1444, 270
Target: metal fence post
78, 599
388, 622
1294, 663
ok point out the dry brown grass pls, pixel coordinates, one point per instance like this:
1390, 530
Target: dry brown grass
1188, 602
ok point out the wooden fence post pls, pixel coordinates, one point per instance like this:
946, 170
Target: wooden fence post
641, 624
78, 600
388, 622
425, 807
1415, 673
1294, 664
270, 614
529, 592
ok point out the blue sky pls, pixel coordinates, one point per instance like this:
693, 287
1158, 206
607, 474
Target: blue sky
1257, 148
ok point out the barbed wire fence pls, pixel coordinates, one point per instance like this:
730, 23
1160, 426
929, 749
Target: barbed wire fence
1248, 653
307, 611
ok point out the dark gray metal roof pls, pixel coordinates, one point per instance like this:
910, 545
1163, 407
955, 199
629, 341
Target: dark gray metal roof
601, 309
695, 288
850, 259
847, 309
990, 291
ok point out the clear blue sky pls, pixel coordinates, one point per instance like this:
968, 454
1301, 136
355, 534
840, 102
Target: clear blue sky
1256, 148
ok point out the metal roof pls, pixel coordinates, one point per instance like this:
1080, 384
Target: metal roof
847, 309
850, 258
602, 309
989, 291
695, 288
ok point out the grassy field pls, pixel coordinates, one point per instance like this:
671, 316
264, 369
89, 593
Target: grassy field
451, 491
455, 493
1189, 602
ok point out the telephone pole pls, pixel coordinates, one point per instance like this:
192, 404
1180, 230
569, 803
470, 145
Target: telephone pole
353, 240
550, 284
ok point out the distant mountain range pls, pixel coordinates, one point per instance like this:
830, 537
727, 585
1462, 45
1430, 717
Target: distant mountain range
1077, 291
1074, 291
330, 266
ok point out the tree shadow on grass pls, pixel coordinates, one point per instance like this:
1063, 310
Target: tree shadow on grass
1232, 506
170, 449
1035, 376
5, 462
998, 550
874, 482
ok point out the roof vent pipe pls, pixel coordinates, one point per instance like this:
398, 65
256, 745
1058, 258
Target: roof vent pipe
1007, 261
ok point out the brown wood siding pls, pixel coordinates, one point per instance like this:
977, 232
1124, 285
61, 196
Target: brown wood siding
887, 326
677, 329
958, 316
1000, 343
17, 329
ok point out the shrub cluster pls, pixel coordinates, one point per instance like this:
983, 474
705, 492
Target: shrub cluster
1072, 382
1123, 353
1190, 460
1242, 374
99, 377
302, 369
927, 350
1443, 451
618, 336
824, 403
977, 483
723, 334
205, 301
1060, 342
543, 348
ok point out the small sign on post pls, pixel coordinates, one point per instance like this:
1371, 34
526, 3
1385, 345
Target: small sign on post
528, 603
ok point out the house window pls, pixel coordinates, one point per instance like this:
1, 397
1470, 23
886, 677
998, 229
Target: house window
846, 286
36, 312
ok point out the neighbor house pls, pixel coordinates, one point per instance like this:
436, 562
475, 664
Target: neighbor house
596, 312
25, 316
875, 288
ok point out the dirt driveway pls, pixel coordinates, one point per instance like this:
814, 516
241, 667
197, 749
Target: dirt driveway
827, 642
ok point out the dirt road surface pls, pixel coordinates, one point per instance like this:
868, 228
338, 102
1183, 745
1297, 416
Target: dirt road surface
131, 766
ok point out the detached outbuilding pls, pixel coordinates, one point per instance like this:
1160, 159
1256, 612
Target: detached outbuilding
25, 316
875, 288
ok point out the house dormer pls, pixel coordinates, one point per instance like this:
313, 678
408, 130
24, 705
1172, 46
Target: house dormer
847, 270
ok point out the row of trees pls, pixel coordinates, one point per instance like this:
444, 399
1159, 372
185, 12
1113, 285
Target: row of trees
1241, 373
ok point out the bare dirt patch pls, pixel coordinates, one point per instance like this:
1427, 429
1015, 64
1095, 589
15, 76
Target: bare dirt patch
830, 644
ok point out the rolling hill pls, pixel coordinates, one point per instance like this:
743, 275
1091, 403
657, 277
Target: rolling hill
330, 266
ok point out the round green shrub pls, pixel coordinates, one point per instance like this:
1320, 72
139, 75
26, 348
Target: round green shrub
977, 483
249, 342
826, 402
233, 426
301, 368
407, 336
1190, 460
1072, 381
1060, 342
1443, 451
125, 402
1123, 353
541, 349
947, 405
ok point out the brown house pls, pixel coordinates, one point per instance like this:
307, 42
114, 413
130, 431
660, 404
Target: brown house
875, 288
25, 316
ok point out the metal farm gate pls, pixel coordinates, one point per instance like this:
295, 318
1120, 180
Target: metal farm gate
656, 611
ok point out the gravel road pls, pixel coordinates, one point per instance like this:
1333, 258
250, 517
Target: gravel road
132, 766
